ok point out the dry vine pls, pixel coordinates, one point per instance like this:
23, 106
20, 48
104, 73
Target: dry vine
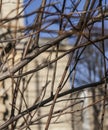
72, 33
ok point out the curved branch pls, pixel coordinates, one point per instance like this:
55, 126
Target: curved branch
41, 104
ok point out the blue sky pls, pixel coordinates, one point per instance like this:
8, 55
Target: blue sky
35, 5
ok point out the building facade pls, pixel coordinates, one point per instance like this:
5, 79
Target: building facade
41, 83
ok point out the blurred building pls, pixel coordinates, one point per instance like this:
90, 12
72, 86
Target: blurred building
10, 11
41, 83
